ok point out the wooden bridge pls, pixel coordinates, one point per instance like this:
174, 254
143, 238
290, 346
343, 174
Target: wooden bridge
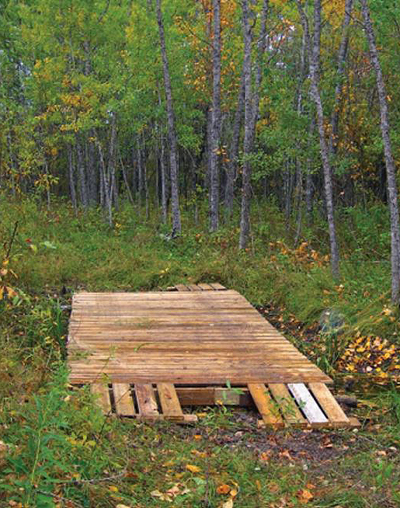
148, 354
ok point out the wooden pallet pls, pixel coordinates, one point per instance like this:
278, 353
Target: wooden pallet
141, 401
284, 387
279, 405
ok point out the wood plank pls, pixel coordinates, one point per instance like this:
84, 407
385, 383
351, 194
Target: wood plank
102, 395
169, 399
265, 405
181, 419
181, 287
194, 287
210, 395
205, 287
123, 399
288, 407
218, 286
146, 400
307, 404
328, 403
351, 424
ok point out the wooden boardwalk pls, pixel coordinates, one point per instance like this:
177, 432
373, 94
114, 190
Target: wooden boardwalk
156, 345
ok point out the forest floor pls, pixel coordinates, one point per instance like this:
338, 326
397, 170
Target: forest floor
57, 449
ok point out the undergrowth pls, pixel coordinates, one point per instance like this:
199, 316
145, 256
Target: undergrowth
56, 449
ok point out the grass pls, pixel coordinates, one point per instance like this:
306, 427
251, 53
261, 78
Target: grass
57, 449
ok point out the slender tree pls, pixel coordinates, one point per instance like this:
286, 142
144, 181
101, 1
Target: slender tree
341, 61
215, 118
251, 109
389, 159
248, 131
173, 150
314, 50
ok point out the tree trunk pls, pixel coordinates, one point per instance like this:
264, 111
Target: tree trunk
251, 110
126, 181
231, 173
176, 215
140, 175
387, 144
82, 176
309, 191
164, 209
262, 42
71, 172
216, 118
342, 56
248, 134
314, 63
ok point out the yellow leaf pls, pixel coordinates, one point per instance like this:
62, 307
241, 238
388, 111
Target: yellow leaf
11, 293
113, 488
304, 496
192, 469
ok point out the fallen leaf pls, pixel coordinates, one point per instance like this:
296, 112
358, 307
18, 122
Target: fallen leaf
223, 489
273, 487
286, 454
265, 456
304, 496
233, 493
193, 469
228, 504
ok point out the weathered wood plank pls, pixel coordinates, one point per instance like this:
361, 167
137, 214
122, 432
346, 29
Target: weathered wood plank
289, 410
102, 395
146, 400
307, 403
181, 287
205, 287
265, 405
194, 287
123, 399
328, 403
218, 286
169, 399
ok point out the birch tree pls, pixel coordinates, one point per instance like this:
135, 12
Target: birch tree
387, 146
173, 150
314, 50
215, 118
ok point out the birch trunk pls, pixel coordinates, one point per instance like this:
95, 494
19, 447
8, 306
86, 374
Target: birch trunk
314, 44
215, 118
389, 159
251, 110
342, 56
231, 172
248, 135
82, 176
71, 175
176, 215
164, 209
